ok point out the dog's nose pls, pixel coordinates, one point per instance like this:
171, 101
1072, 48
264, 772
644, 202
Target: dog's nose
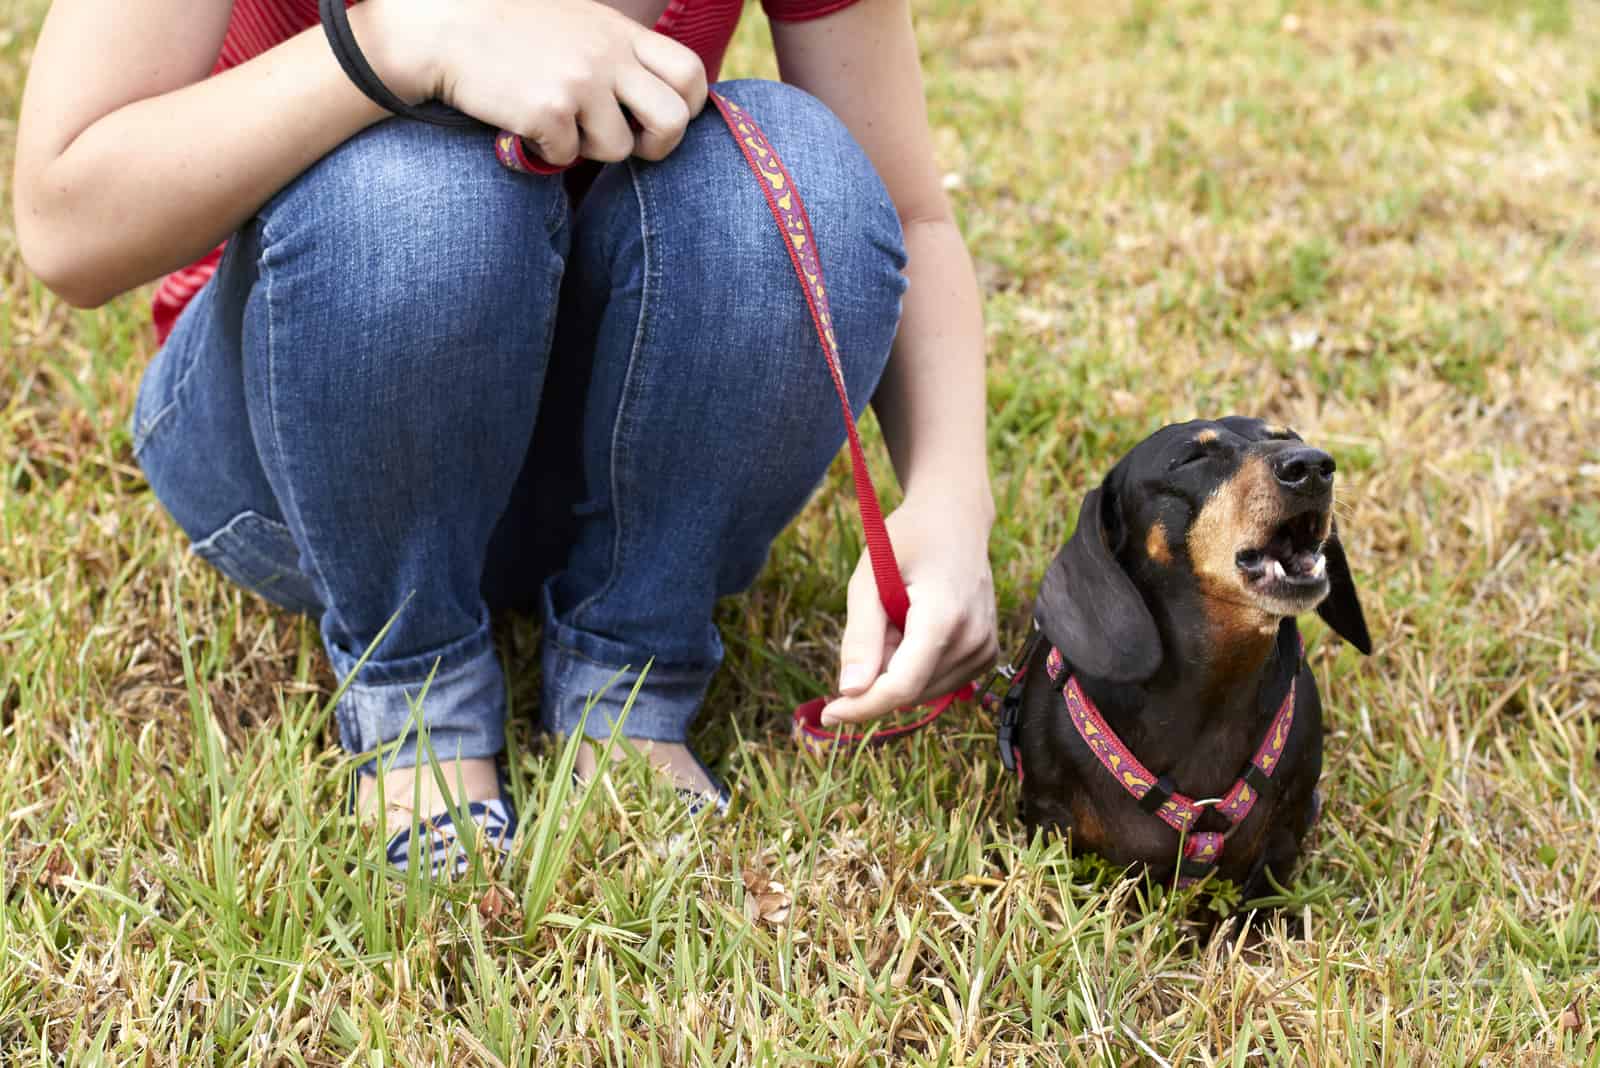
1303, 469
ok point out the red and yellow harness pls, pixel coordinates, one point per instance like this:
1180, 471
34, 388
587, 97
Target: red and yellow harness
1156, 794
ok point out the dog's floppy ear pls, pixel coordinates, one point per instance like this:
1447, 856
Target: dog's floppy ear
1341, 609
1090, 609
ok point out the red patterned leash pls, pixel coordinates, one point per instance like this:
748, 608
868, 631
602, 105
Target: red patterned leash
799, 240
789, 212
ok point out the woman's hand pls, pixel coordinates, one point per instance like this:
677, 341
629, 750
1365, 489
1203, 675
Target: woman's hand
558, 72
950, 629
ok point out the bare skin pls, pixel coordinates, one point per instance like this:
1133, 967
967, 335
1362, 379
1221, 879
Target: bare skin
478, 778
481, 782
675, 762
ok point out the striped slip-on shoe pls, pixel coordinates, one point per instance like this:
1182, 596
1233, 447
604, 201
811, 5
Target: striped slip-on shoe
440, 846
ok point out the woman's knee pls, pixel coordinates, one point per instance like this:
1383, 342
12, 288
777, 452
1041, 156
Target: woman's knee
847, 204
725, 375
720, 247
413, 240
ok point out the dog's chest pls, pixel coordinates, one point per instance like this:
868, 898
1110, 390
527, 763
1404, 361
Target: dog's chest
1204, 763
1079, 787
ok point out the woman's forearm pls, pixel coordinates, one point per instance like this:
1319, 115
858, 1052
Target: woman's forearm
931, 402
131, 162
157, 183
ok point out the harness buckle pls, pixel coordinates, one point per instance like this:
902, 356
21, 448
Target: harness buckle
1006, 731
1008, 755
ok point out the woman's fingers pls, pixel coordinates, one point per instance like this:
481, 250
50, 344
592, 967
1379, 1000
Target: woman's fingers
604, 133
675, 64
554, 132
659, 112
941, 651
565, 75
906, 677
864, 646
976, 660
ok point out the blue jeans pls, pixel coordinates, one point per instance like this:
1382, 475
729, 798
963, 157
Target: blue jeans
421, 388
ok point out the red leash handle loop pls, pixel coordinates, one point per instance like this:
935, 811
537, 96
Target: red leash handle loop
816, 739
514, 155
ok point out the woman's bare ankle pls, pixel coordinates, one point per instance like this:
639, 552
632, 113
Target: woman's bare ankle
672, 759
411, 795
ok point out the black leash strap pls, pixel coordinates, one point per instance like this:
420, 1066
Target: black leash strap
342, 39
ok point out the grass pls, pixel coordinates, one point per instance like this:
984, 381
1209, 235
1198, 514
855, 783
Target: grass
1377, 221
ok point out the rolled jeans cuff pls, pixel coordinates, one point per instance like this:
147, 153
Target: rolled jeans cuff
584, 673
462, 707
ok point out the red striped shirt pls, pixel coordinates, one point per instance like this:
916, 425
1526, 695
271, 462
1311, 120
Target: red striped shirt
257, 25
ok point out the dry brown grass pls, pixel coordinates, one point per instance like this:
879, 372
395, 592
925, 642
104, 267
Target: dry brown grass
1378, 224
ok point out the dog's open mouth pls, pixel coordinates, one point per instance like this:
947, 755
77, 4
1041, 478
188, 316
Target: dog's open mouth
1290, 566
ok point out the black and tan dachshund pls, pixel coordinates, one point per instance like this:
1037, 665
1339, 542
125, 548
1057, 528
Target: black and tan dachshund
1165, 715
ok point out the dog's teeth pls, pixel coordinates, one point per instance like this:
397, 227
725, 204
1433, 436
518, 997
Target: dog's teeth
1275, 568
1319, 567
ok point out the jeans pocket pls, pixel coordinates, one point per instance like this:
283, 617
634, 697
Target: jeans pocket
259, 554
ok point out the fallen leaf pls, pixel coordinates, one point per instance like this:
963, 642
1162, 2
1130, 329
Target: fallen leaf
774, 907
850, 813
765, 901
57, 867
499, 909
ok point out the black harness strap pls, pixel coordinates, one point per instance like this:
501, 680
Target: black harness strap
1011, 702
